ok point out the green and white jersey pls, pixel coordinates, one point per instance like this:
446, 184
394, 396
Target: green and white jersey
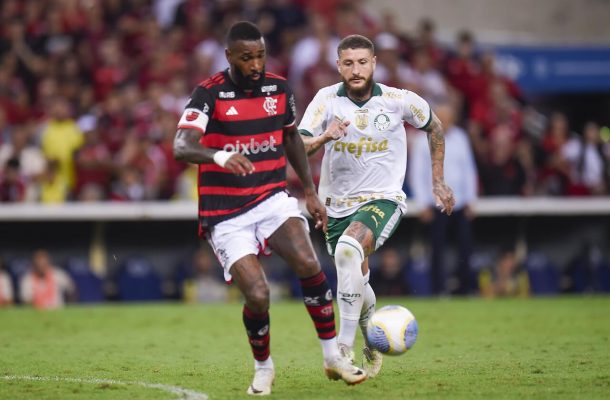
369, 163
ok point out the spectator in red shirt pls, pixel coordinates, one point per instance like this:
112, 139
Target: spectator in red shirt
12, 185
93, 161
490, 111
502, 173
489, 76
463, 66
555, 169
112, 70
426, 40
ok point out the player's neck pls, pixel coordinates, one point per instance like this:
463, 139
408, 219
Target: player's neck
241, 82
360, 97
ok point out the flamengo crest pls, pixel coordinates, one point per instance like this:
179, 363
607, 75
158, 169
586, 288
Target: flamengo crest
270, 105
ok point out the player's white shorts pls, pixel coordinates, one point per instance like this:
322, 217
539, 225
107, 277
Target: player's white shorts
248, 233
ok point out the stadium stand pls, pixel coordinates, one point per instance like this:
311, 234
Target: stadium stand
113, 77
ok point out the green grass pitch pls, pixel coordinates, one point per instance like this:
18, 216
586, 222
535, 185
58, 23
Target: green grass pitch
549, 348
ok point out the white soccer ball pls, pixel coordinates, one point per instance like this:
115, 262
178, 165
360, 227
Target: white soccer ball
392, 330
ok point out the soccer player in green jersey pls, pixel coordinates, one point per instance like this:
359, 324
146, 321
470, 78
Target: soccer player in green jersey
360, 124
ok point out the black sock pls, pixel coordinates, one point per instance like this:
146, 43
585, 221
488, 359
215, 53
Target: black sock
318, 300
257, 328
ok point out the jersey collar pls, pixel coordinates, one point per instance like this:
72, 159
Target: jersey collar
342, 92
254, 91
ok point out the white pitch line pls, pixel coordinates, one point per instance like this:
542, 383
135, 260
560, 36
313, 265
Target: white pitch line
185, 394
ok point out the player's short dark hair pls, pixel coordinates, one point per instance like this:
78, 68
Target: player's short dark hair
243, 30
355, 42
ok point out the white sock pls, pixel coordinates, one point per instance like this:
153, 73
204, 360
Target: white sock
368, 305
349, 256
268, 363
330, 349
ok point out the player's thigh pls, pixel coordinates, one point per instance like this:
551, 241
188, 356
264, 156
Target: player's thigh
363, 234
373, 223
248, 274
291, 241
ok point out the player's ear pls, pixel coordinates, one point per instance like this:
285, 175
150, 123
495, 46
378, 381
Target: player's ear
374, 62
338, 66
228, 55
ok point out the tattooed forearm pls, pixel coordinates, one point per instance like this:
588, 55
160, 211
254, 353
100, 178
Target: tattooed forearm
442, 193
313, 144
436, 141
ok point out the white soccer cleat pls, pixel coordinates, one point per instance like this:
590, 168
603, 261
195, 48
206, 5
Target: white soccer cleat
372, 361
341, 367
262, 382
347, 352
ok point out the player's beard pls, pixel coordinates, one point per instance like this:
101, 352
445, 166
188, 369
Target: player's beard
245, 82
359, 93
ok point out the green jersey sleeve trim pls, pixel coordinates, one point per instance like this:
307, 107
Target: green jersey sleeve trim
423, 128
305, 132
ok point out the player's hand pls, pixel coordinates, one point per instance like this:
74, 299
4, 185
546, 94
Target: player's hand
444, 197
239, 165
317, 211
337, 129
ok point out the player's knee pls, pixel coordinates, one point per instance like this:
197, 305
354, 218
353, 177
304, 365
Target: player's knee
309, 266
348, 252
257, 298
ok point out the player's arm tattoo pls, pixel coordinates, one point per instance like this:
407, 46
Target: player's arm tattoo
295, 151
188, 149
436, 141
313, 144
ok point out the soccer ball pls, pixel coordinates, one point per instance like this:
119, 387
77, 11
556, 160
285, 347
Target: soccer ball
392, 330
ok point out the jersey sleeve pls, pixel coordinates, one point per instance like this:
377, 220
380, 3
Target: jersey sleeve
198, 110
313, 121
416, 110
291, 108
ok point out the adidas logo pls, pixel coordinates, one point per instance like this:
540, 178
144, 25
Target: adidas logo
231, 111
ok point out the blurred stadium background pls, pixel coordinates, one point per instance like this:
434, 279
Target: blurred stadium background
91, 90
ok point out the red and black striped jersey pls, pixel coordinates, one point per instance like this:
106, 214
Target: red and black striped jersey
251, 123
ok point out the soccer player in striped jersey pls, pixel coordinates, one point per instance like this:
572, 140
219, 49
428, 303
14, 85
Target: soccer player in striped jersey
239, 126
360, 124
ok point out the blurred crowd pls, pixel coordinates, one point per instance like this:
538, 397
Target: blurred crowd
91, 90
44, 283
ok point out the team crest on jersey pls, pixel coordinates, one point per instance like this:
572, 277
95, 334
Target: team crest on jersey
381, 122
270, 105
362, 119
